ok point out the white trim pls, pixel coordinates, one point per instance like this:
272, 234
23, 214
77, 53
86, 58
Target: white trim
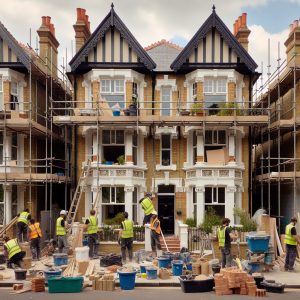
177, 182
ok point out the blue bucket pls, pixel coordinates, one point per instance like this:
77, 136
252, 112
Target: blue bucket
60, 259
177, 266
151, 273
189, 266
254, 267
164, 262
268, 258
116, 113
143, 269
48, 274
127, 280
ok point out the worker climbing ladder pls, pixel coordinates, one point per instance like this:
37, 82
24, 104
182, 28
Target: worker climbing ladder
7, 227
77, 195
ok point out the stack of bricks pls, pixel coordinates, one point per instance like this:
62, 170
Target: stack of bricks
38, 284
103, 283
234, 281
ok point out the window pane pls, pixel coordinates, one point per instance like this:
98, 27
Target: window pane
221, 195
113, 195
219, 209
221, 86
14, 88
105, 86
105, 194
14, 153
120, 195
135, 195
222, 137
194, 139
114, 99
1, 154
165, 160
1, 138
208, 195
208, 85
166, 141
119, 137
119, 88
135, 139
194, 196
215, 200
166, 101
208, 137
106, 137
134, 213
15, 139
134, 154
215, 137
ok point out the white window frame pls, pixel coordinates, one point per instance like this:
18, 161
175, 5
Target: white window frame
113, 142
170, 100
118, 89
135, 89
14, 146
113, 201
14, 88
215, 190
194, 91
194, 147
166, 149
216, 133
215, 86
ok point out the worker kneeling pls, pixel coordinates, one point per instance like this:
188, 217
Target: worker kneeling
13, 251
126, 237
155, 233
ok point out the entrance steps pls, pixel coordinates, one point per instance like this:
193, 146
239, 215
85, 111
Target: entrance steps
172, 242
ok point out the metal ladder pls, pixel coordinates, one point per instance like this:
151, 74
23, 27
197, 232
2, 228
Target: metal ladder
8, 226
77, 195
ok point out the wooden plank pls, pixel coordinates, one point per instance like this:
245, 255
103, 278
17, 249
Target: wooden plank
280, 249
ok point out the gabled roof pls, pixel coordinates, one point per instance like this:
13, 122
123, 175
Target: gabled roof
14, 46
214, 21
112, 20
163, 53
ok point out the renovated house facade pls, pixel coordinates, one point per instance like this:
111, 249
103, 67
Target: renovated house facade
171, 120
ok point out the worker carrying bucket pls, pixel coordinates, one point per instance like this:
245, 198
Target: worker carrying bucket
148, 207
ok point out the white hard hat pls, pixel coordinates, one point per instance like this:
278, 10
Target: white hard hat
63, 212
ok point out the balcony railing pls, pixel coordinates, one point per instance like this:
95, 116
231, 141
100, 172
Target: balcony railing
111, 233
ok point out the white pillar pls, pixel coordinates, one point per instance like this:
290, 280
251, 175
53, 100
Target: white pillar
7, 148
200, 204
88, 200
7, 203
128, 148
96, 146
229, 202
200, 146
139, 206
189, 202
183, 235
128, 200
147, 238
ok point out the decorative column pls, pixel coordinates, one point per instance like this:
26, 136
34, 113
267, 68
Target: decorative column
189, 202
96, 144
7, 148
200, 147
7, 203
128, 200
200, 204
147, 238
183, 235
229, 202
128, 148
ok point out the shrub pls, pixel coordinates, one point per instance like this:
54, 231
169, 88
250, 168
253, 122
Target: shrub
245, 220
116, 220
210, 219
191, 222
227, 109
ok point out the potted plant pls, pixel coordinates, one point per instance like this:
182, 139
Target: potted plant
179, 213
197, 109
228, 109
121, 160
133, 106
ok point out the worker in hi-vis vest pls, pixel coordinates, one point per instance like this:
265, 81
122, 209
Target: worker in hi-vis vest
35, 234
22, 225
148, 207
126, 238
13, 251
225, 236
61, 232
155, 234
92, 231
291, 239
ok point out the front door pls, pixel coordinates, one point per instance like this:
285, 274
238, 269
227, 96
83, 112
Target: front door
166, 213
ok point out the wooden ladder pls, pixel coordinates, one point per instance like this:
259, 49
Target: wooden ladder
77, 195
8, 226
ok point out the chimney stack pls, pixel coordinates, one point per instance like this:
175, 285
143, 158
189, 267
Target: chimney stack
82, 28
48, 41
241, 31
293, 44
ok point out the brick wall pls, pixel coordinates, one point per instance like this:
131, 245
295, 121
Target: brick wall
128, 85
80, 92
231, 91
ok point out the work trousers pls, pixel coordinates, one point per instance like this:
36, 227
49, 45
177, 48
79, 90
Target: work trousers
62, 244
35, 248
22, 232
155, 242
147, 219
92, 241
126, 244
226, 256
291, 254
16, 259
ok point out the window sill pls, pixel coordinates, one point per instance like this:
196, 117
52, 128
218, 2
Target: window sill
171, 167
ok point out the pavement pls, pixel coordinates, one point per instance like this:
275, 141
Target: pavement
140, 293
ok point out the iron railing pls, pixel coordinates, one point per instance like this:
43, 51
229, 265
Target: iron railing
111, 233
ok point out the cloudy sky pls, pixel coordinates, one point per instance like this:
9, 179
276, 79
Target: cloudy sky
153, 20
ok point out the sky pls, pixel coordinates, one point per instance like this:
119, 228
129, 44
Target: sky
153, 20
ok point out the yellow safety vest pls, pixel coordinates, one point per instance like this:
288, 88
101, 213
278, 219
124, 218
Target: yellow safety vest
35, 231
59, 229
289, 239
92, 226
127, 231
221, 236
23, 217
147, 206
13, 248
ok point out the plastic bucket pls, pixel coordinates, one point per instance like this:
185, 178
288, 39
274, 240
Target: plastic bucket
216, 268
189, 266
116, 113
164, 262
48, 274
143, 269
151, 273
177, 266
60, 259
254, 267
127, 280
82, 253
20, 274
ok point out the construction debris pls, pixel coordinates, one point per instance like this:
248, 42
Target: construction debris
104, 283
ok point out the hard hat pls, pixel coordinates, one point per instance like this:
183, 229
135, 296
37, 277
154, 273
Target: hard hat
148, 194
154, 212
63, 212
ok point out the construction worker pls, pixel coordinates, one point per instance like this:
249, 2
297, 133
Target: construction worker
61, 232
92, 229
35, 235
291, 239
22, 225
148, 207
126, 237
13, 251
155, 233
225, 236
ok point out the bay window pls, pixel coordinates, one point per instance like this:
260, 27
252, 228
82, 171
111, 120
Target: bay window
113, 91
215, 199
214, 140
113, 142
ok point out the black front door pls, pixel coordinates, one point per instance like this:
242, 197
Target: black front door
166, 213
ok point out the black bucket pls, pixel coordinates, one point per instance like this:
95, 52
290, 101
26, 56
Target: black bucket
20, 274
216, 269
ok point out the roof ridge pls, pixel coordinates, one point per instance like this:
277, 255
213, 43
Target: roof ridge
163, 42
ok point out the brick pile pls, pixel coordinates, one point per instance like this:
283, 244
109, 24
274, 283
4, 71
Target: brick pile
234, 281
38, 284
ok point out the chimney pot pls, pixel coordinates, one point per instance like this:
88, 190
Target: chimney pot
236, 26
48, 21
291, 27
244, 19
240, 22
296, 24
78, 13
43, 21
